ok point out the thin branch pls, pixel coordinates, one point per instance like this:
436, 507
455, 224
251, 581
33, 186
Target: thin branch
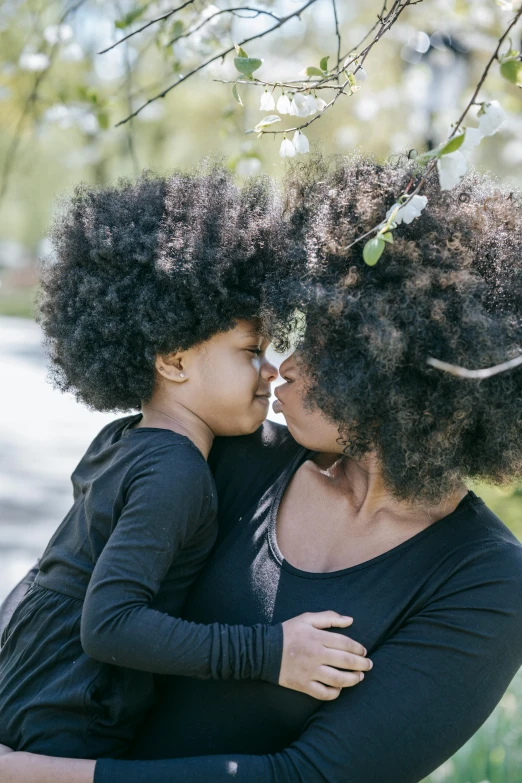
462, 372
219, 56
256, 11
337, 33
148, 24
458, 124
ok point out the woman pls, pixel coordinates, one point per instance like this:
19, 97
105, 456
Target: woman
361, 506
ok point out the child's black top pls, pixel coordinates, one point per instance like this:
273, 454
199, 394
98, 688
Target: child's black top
77, 656
141, 527
440, 614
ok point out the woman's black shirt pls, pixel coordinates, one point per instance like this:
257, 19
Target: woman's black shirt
440, 615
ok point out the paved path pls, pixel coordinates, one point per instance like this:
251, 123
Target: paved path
43, 434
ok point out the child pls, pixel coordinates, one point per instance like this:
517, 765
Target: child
152, 303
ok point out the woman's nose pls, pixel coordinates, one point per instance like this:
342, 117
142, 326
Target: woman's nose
268, 371
287, 366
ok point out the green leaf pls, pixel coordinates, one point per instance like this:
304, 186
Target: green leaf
267, 121
247, 65
129, 18
103, 119
312, 71
512, 71
452, 145
388, 237
240, 52
236, 94
373, 250
176, 30
323, 65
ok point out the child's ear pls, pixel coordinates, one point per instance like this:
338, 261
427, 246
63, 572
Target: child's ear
171, 367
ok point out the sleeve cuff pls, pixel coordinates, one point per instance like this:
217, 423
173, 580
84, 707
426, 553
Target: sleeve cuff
273, 654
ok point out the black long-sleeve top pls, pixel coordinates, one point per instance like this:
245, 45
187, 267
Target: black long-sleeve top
139, 532
440, 614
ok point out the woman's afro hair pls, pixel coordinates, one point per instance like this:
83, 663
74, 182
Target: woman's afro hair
449, 287
149, 267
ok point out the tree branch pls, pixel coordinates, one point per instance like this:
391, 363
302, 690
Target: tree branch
219, 56
256, 11
148, 24
337, 33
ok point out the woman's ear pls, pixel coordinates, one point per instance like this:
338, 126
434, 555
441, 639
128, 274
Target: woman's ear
171, 367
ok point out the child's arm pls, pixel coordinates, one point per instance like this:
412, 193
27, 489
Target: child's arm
165, 503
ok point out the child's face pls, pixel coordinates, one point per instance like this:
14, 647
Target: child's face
229, 380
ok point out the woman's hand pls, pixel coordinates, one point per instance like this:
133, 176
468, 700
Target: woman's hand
314, 659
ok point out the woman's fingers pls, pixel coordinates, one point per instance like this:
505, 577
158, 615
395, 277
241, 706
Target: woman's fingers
344, 660
337, 678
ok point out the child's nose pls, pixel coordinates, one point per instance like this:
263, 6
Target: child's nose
269, 371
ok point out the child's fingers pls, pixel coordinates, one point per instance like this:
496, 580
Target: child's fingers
337, 641
336, 678
328, 619
345, 660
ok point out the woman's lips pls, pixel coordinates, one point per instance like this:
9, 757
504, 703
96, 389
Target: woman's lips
277, 406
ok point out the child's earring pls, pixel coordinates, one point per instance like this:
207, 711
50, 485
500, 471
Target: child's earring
182, 375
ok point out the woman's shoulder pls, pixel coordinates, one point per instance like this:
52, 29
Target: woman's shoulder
247, 464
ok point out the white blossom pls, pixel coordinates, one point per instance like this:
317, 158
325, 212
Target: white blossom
472, 138
58, 33
451, 169
321, 105
267, 101
33, 61
300, 142
299, 105
361, 75
507, 5
287, 149
493, 118
409, 211
311, 103
283, 104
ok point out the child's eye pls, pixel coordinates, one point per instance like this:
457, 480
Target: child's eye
256, 351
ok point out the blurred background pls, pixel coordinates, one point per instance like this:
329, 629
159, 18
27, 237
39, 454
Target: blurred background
60, 102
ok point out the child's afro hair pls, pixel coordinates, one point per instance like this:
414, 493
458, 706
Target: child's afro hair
449, 287
149, 267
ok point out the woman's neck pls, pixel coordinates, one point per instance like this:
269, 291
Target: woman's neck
361, 482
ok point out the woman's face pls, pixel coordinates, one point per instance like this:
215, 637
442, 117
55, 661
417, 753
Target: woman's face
310, 428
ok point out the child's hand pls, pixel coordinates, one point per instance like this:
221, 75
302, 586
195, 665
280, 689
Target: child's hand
313, 657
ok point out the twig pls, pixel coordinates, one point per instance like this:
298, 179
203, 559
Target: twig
219, 56
458, 124
148, 24
337, 33
234, 11
462, 372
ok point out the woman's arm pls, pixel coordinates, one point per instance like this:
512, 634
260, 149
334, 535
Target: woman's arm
433, 684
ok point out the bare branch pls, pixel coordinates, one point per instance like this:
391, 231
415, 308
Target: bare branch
337, 33
219, 56
148, 24
462, 372
234, 11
